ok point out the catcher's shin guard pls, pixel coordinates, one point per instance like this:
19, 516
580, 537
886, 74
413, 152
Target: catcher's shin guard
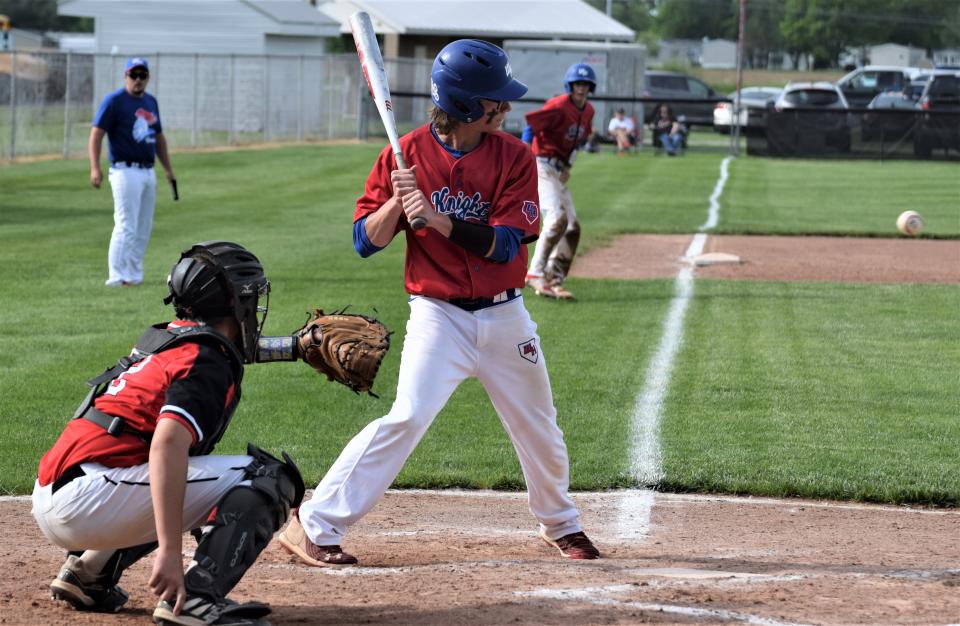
242, 524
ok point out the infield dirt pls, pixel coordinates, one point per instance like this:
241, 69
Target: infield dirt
459, 558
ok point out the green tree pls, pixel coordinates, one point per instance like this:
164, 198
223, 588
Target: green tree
42, 15
762, 36
695, 19
635, 14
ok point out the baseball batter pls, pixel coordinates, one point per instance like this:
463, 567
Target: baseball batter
133, 468
130, 117
476, 188
555, 131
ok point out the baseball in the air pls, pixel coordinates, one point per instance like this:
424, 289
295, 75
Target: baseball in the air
910, 223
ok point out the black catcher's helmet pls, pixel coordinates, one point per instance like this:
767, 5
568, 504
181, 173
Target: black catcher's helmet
217, 279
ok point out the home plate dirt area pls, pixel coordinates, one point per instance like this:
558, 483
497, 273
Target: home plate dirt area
473, 557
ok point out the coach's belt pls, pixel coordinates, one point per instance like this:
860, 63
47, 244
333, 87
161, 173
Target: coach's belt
137, 164
69, 474
475, 304
554, 162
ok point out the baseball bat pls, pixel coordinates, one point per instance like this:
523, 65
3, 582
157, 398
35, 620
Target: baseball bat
371, 61
173, 188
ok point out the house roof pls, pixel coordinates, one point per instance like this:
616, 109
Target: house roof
295, 14
538, 19
291, 11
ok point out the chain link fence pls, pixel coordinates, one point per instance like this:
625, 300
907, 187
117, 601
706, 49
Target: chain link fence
48, 99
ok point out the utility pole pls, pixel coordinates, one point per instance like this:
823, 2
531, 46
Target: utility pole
735, 126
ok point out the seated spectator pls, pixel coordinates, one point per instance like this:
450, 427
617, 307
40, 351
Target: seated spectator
623, 130
669, 132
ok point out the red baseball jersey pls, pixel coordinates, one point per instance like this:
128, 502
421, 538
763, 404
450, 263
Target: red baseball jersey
191, 383
493, 184
559, 127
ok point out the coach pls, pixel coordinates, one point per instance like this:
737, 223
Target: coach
130, 117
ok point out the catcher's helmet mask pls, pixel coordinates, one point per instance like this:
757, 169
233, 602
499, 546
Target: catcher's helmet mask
580, 73
468, 70
220, 279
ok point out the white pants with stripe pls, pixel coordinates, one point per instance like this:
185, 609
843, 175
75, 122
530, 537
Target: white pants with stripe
443, 346
134, 200
559, 230
111, 508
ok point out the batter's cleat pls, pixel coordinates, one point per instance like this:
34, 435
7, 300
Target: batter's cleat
541, 287
202, 611
294, 539
99, 595
575, 546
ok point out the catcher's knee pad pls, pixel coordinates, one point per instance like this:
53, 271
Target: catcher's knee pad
243, 522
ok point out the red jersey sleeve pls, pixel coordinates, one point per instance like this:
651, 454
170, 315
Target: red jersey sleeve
517, 204
378, 188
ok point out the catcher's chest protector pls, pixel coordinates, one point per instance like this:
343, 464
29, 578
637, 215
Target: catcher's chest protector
154, 340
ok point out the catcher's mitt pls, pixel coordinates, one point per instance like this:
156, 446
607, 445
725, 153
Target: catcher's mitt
348, 348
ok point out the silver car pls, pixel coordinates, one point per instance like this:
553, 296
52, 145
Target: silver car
750, 98
810, 113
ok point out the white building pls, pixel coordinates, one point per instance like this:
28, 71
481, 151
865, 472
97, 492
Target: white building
420, 28
897, 55
946, 56
145, 27
718, 54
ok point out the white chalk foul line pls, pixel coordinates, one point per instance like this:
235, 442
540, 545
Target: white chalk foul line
633, 519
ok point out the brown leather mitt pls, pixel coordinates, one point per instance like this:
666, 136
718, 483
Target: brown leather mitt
346, 347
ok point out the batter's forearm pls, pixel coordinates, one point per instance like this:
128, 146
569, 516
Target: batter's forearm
381, 226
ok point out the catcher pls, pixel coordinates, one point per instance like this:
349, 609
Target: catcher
133, 469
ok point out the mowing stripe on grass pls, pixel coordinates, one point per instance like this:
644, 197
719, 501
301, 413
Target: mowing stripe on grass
646, 460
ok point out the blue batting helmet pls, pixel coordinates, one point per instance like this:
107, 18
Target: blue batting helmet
580, 72
467, 70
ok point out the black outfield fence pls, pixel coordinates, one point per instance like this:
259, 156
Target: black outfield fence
854, 134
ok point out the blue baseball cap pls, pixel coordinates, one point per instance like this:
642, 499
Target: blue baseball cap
136, 62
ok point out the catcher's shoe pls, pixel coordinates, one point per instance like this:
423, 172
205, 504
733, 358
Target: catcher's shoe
575, 546
540, 286
202, 611
98, 595
294, 539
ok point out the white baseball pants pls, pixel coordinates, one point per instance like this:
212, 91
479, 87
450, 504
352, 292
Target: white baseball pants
134, 200
443, 346
111, 508
559, 230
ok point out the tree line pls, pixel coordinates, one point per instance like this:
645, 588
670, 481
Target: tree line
821, 29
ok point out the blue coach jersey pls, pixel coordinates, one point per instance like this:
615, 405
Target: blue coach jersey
131, 125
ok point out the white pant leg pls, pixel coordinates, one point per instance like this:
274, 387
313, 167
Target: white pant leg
552, 193
561, 255
111, 508
514, 373
148, 202
438, 353
126, 185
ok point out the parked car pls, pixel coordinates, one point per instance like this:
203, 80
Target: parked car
939, 125
891, 116
820, 116
863, 84
755, 98
668, 86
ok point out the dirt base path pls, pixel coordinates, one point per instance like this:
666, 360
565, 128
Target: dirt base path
841, 259
472, 558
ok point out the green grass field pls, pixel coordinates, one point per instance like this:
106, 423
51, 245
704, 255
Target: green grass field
814, 389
